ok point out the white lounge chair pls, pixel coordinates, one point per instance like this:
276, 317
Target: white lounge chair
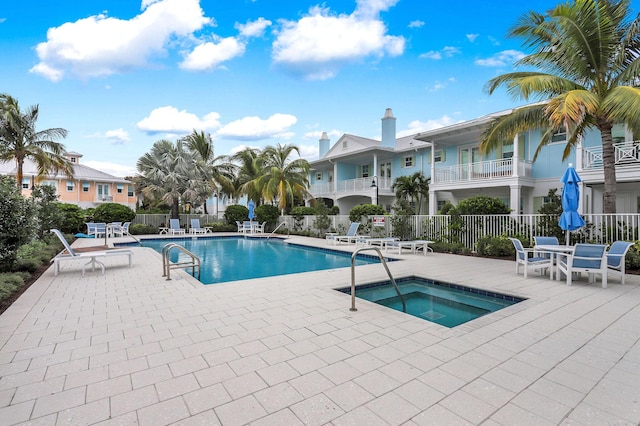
616, 258
196, 228
350, 237
174, 227
589, 258
413, 246
531, 259
90, 253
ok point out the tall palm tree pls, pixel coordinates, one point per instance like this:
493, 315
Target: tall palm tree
249, 168
19, 140
413, 188
216, 173
168, 173
588, 54
284, 178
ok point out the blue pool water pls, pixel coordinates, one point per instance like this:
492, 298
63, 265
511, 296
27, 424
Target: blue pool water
442, 303
237, 258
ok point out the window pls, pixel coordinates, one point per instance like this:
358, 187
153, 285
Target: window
560, 135
70, 186
119, 188
408, 161
319, 176
507, 149
85, 186
385, 170
25, 183
129, 191
618, 133
344, 144
330, 177
73, 160
364, 170
439, 156
51, 183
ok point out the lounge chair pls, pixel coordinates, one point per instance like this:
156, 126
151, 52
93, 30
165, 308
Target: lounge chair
616, 258
531, 259
174, 227
350, 237
90, 253
196, 228
413, 246
589, 258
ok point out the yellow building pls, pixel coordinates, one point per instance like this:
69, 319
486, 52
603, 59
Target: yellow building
88, 188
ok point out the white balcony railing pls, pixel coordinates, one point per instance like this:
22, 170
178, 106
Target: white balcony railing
105, 198
351, 186
625, 154
482, 170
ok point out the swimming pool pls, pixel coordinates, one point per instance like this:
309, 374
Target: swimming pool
226, 259
442, 303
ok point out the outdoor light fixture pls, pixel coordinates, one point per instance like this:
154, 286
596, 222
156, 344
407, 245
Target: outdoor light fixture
374, 185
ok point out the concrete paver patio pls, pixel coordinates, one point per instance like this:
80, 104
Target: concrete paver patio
129, 347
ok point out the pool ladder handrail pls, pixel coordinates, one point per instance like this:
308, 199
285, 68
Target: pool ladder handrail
167, 265
273, 232
386, 267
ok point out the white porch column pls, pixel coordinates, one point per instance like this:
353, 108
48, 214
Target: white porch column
433, 202
335, 179
515, 160
579, 155
375, 166
514, 199
433, 162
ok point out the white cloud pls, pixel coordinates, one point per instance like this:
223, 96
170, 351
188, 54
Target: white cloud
500, 59
100, 45
168, 119
320, 43
494, 41
317, 134
309, 152
210, 55
438, 85
236, 149
255, 128
253, 28
416, 24
113, 169
472, 37
418, 126
447, 52
117, 137
2, 20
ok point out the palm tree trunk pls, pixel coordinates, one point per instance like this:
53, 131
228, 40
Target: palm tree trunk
19, 172
609, 165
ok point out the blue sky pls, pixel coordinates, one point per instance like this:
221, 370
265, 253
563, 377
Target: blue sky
122, 74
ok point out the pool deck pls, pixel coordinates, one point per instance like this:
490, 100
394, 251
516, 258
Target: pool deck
129, 347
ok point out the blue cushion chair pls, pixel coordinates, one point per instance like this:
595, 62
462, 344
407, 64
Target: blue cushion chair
616, 258
530, 260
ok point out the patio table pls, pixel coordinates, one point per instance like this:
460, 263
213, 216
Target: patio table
555, 250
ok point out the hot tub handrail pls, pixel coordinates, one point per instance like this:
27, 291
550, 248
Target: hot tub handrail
353, 277
167, 265
274, 231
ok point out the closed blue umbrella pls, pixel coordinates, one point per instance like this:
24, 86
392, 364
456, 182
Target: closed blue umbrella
570, 219
252, 208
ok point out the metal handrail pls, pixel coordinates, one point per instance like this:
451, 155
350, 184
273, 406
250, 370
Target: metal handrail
167, 265
273, 232
353, 277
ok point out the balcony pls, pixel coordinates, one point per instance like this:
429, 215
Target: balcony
104, 198
625, 154
359, 186
481, 171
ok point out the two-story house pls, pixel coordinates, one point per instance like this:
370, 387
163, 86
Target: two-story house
451, 157
88, 188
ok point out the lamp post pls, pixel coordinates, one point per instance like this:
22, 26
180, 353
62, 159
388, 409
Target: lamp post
374, 185
215, 198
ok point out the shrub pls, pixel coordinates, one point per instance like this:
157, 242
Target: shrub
266, 213
74, 218
302, 211
31, 264
494, 246
17, 225
356, 213
235, 213
480, 205
333, 211
48, 213
9, 282
141, 229
113, 212
221, 227
401, 220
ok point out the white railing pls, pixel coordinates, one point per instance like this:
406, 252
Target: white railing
105, 198
351, 186
602, 228
625, 153
482, 170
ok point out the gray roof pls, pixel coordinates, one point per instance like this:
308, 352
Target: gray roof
81, 172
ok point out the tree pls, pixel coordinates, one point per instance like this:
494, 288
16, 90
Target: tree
588, 54
168, 173
413, 188
216, 173
19, 140
17, 223
249, 169
283, 178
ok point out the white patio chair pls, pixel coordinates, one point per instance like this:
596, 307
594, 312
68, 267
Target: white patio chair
616, 258
589, 258
531, 260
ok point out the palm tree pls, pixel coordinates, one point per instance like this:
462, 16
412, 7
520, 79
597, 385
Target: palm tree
412, 188
249, 169
588, 52
19, 140
216, 172
284, 178
168, 173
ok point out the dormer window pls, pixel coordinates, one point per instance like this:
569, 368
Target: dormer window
74, 159
344, 144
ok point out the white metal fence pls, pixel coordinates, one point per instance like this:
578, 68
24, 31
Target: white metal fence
601, 228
